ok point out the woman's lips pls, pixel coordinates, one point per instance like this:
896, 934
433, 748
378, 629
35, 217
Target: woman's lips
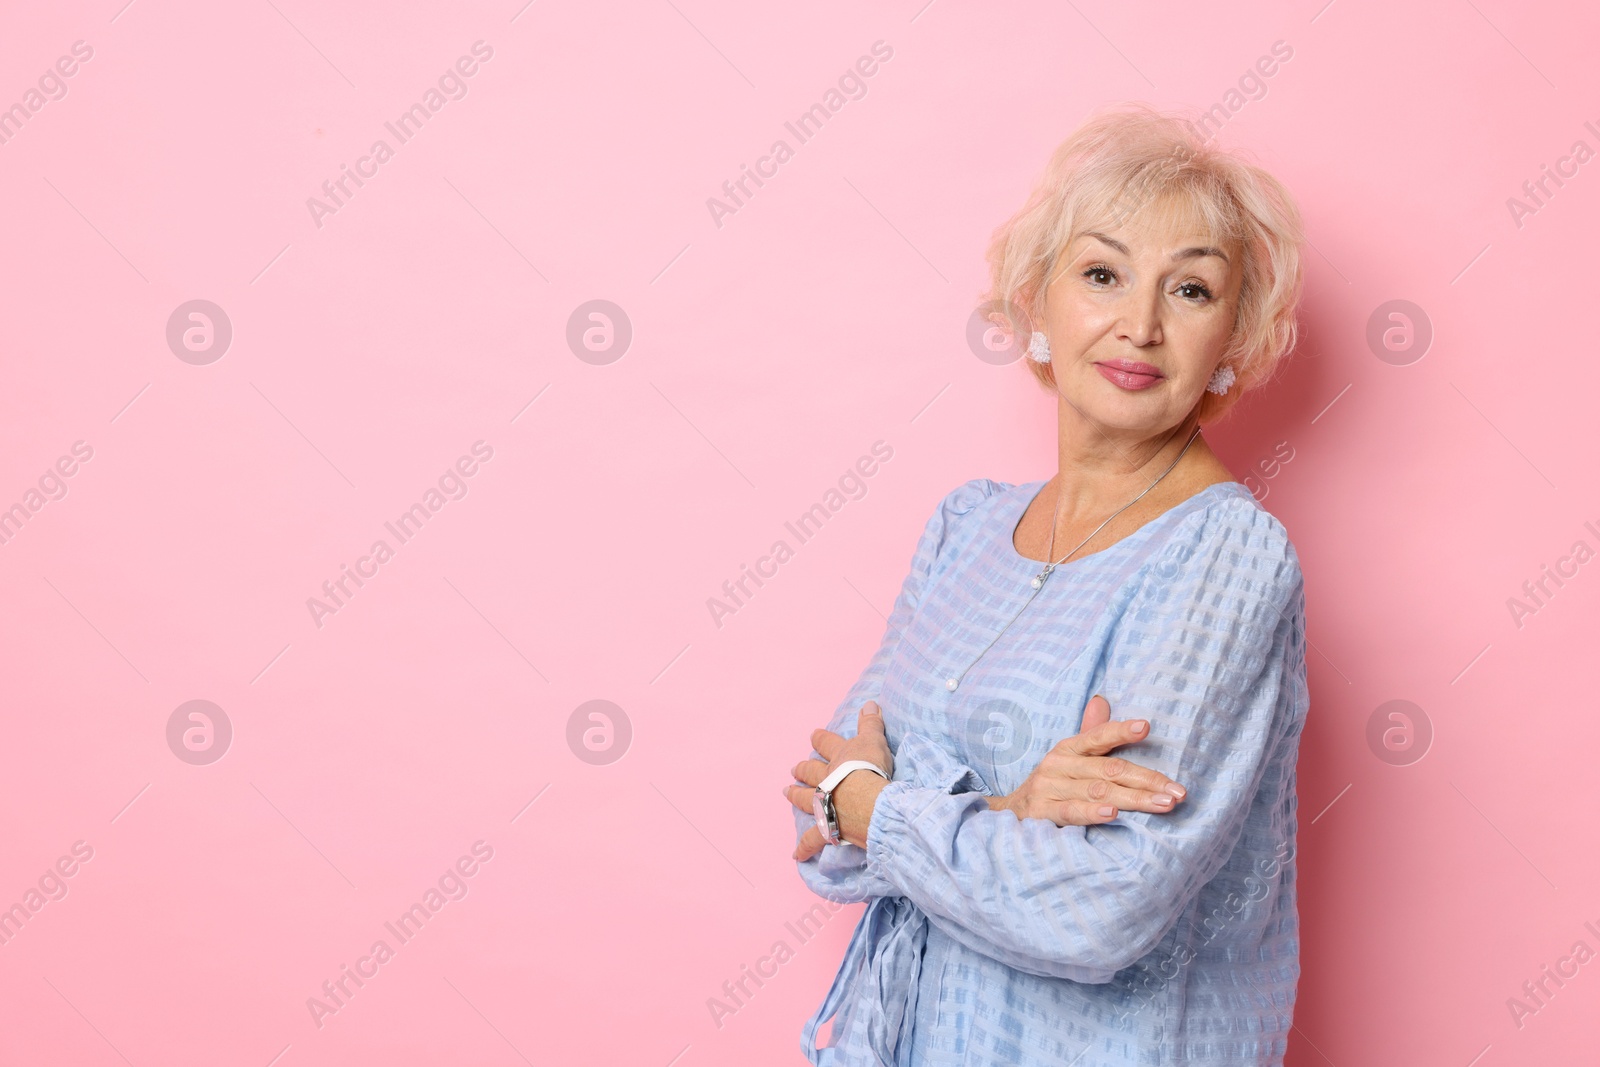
1129, 374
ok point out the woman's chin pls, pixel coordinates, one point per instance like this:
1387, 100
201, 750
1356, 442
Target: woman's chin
1138, 414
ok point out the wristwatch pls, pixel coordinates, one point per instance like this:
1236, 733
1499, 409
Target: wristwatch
822, 799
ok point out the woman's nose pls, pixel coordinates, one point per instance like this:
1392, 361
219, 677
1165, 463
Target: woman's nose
1140, 322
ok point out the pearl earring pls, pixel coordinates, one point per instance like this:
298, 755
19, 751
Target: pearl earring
1039, 348
1221, 380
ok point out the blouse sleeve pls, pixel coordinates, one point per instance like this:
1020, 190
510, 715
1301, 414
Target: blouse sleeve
839, 873
1211, 652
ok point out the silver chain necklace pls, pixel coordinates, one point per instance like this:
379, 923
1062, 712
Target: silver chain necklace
1049, 568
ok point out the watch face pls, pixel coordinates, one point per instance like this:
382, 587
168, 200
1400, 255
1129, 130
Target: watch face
825, 824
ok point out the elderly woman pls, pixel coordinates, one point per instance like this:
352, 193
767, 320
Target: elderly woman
1033, 899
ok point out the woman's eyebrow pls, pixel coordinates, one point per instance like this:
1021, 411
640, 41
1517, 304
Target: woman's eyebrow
1197, 252
1200, 252
1103, 239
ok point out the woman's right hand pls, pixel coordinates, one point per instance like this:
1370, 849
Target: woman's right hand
1077, 784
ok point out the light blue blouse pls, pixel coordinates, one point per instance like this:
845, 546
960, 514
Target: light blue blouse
1154, 939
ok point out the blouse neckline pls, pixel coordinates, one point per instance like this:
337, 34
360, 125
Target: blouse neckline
1028, 491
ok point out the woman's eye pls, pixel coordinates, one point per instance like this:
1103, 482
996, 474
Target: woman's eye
1100, 275
1194, 291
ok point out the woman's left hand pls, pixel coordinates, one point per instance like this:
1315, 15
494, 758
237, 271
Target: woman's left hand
853, 798
1079, 784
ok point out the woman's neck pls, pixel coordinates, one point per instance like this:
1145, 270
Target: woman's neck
1101, 475
1101, 469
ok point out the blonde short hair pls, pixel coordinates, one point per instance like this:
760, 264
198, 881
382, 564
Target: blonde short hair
1126, 158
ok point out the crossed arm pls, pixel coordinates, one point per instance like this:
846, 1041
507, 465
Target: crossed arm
1076, 784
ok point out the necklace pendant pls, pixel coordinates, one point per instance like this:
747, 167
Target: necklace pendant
1038, 579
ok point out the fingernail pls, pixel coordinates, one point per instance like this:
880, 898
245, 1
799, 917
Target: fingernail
1177, 790
1161, 800
1105, 811
1139, 726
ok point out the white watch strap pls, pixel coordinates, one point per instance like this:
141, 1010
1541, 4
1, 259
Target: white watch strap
836, 775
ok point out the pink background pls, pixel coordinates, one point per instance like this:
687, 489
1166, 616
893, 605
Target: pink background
767, 355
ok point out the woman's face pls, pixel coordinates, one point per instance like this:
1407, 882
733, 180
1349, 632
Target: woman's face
1138, 316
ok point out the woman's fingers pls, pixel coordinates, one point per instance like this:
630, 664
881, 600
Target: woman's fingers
1133, 776
1078, 757
1077, 811
1099, 740
1095, 743
1096, 713
869, 723
810, 771
1095, 790
1128, 799
869, 720
1126, 773
799, 795
811, 844
1087, 813
1078, 784
825, 742
1085, 809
